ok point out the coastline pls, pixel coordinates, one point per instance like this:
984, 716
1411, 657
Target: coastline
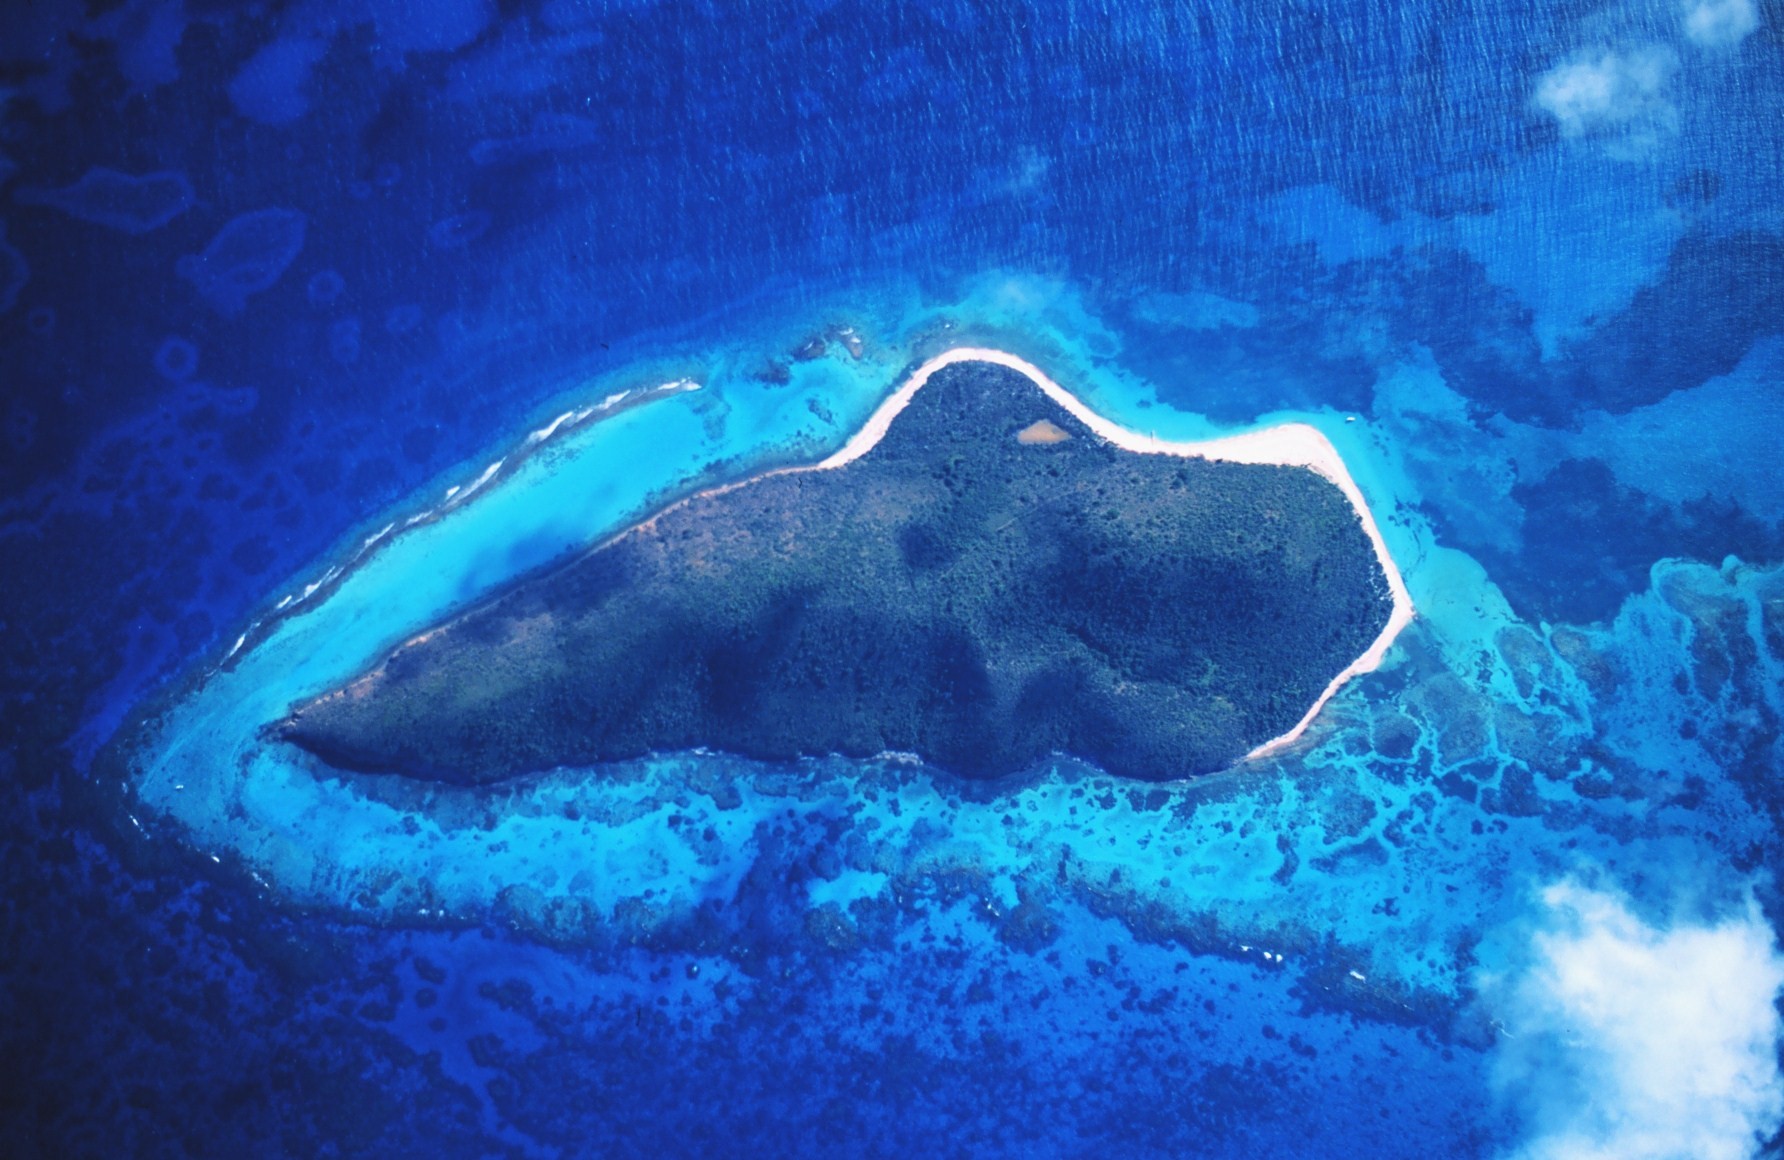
454, 497
198, 767
1286, 445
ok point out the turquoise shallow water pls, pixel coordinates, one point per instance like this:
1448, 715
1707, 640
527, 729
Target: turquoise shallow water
1291, 856
274, 281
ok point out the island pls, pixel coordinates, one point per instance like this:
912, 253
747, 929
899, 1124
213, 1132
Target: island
987, 576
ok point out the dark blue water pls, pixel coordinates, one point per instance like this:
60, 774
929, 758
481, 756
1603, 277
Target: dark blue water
267, 273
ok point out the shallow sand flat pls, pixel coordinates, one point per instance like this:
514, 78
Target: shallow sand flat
210, 771
1042, 432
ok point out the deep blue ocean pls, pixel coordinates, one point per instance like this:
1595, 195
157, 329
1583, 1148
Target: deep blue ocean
319, 321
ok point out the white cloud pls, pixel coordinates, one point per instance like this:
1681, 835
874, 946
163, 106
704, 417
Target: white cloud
1609, 91
1624, 1041
1720, 23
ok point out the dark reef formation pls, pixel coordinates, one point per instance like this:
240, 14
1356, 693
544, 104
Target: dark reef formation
988, 585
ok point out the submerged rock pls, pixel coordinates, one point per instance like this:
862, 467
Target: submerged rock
963, 591
121, 201
248, 255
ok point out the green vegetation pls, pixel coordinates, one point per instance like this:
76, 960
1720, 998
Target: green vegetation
958, 593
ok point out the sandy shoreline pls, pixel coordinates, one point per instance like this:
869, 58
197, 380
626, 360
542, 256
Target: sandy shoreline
455, 497
1287, 445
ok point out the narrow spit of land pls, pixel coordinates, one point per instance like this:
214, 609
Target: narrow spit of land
987, 574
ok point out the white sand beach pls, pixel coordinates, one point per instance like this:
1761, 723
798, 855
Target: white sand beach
1287, 445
